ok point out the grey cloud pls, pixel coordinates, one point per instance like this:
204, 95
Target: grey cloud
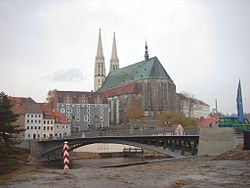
69, 75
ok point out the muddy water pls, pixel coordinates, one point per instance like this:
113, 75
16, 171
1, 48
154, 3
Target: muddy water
75, 164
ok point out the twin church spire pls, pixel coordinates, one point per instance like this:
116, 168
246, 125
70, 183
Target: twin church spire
100, 71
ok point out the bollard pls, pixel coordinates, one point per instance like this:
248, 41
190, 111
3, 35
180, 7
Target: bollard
66, 156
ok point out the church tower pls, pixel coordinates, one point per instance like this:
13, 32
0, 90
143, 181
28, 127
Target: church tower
114, 61
100, 72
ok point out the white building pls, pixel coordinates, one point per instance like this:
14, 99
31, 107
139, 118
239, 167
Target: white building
191, 107
62, 127
40, 121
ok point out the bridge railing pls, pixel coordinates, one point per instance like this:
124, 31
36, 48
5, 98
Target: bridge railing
138, 132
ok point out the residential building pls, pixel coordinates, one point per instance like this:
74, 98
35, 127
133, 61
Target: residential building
192, 107
62, 127
85, 110
38, 119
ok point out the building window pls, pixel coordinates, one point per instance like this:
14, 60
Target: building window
44, 128
88, 120
35, 115
62, 110
38, 135
47, 121
77, 129
44, 135
39, 127
78, 110
51, 128
28, 135
35, 127
31, 121
35, 121
32, 115
28, 120
39, 115
48, 128
28, 115
28, 127
88, 110
67, 105
39, 121
44, 122
69, 110
31, 127
51, 121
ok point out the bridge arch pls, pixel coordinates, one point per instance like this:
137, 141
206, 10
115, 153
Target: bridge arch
143, 142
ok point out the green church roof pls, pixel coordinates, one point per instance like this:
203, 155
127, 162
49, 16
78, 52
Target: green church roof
151, 68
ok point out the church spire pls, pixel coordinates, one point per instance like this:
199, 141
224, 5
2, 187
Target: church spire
99, 47
146, 56
100, 71
114, 61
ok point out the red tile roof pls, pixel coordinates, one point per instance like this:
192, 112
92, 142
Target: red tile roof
30, 106
212, 119
131, 88
60, 119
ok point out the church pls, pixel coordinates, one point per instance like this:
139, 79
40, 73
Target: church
144, 85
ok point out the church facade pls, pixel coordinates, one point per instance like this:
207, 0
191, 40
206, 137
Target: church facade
144, 86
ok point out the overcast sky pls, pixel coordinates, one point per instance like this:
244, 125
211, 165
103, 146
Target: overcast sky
204, 45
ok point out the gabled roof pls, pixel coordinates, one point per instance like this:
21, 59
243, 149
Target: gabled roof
29, 105
196, 101
75, 96
151, 68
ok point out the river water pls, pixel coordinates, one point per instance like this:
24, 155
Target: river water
75, 164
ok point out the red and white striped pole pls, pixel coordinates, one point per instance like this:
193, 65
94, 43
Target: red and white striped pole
66, 156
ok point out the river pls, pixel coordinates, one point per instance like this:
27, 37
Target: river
75, 163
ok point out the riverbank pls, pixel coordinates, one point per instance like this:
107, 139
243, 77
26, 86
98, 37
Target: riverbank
12, 160
228, 170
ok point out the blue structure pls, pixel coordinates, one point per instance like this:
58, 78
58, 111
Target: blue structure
240, 114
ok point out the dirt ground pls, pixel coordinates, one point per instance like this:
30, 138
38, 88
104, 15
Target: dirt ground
231, 169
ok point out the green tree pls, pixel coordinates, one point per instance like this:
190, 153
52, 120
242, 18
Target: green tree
8, 131
176, 118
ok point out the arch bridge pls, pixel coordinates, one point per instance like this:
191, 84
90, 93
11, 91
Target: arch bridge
171, 145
